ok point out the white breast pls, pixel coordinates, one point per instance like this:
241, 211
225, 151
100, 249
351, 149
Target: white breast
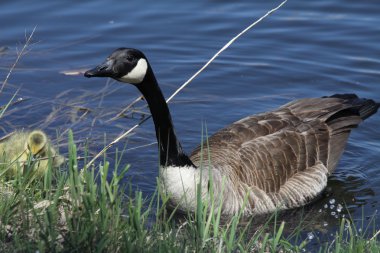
180, 183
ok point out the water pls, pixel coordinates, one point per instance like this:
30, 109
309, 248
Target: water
306, 49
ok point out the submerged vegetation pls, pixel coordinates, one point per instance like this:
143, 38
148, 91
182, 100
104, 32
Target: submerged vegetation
88, 211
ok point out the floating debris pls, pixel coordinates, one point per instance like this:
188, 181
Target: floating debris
310, 236
332, 201
73, 72
325, 224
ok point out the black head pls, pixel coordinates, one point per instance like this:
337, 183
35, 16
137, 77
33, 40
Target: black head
124, 64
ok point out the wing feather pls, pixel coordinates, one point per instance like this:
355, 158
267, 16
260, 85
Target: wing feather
286, 155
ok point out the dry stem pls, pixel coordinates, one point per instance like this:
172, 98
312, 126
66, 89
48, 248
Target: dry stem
19, 55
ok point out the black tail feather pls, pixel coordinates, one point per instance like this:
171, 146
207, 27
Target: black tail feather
343, 96
358, 106
369, 108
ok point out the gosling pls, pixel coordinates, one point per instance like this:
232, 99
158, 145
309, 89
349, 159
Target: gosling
24, 151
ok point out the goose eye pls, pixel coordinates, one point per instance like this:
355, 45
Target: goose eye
130, 58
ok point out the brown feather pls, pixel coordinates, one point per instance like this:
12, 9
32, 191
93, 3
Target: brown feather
284, 151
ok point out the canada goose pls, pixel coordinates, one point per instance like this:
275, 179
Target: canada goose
279, 159
21, 147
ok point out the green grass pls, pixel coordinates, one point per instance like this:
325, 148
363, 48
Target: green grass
69, 211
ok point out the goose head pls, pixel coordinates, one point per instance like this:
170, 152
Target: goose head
126, 65
36, 142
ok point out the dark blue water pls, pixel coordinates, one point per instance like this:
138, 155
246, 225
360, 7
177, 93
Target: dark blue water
306, 49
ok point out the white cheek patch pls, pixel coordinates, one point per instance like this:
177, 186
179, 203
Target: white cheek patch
137, 74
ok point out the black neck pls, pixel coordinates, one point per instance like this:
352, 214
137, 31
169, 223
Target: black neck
171, 153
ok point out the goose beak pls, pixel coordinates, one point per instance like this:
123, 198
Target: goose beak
103, 70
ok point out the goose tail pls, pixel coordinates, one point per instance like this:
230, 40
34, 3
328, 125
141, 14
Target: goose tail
353, 110
362, 107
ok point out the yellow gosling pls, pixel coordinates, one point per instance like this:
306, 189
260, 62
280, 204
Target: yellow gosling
28, 150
